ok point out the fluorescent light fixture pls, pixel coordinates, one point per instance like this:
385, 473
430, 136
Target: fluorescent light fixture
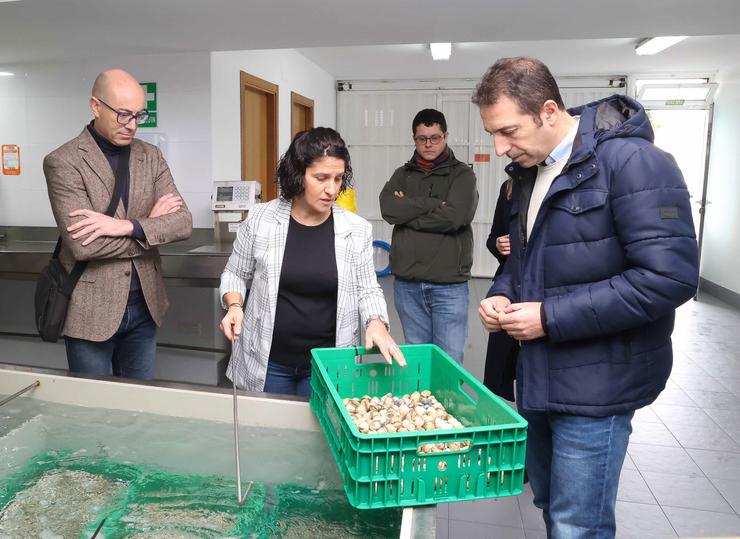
640, 83
653, 45
685, 93
441, 51
6, 74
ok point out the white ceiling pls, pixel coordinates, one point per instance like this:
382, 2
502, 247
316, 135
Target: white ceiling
699, 54
47, 30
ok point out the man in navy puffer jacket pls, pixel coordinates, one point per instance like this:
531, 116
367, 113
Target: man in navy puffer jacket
603, 250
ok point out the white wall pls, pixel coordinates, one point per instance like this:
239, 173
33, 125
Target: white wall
721, 249
287, 68
45, 105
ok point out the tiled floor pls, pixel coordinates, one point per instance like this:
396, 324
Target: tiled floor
681, 477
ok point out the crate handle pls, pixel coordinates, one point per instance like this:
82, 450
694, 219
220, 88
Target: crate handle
445, 451
362, 355
469, 391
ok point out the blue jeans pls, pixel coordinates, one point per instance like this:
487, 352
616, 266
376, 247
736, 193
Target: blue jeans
288, 380
434, 313
130, 352
574, 463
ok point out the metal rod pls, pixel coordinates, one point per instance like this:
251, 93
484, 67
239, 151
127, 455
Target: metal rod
237, 455
100, 526
21, 392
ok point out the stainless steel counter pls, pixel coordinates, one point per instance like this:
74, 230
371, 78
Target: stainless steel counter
190, 347
198, 261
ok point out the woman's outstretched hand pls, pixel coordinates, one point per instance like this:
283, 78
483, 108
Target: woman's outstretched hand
377, 335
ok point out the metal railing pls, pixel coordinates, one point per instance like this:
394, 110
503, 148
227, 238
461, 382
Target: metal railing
19, 393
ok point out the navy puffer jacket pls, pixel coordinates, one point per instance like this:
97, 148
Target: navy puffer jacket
612, 254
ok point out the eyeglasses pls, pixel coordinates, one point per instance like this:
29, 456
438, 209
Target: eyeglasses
422, 140
124, 117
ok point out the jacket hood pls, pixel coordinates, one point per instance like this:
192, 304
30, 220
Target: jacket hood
617, 116
614, 117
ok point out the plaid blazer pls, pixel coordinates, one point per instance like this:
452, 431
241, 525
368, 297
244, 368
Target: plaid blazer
255, 264
78, 176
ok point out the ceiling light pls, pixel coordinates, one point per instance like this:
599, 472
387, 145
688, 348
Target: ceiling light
693, 93
6, 74
639, 83
441, 51
653, 45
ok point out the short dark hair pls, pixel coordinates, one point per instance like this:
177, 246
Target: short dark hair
307, 147
525, 80
429, 117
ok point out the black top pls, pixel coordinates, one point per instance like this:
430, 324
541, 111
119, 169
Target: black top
119, 155
502, 352
500, 226
306, 314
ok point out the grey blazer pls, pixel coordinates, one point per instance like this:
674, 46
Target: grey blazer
79, 176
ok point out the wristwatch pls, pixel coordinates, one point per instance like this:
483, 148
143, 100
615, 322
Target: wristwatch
379, 318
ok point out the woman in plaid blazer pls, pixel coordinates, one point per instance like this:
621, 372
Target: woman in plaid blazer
300, 296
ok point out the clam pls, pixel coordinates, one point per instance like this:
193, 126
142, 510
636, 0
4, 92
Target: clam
417, 411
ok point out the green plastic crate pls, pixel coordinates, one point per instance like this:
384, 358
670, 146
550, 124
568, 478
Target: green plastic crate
387, 470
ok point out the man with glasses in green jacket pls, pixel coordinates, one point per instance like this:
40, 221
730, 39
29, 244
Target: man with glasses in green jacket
431, 201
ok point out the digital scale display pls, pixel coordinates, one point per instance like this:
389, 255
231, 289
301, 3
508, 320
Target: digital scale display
224, 194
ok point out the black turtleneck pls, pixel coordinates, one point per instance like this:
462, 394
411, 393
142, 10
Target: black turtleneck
114, 154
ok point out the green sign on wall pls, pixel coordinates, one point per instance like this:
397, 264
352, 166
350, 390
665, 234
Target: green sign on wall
150, 89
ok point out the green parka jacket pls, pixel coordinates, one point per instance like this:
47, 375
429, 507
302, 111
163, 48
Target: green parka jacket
432, 236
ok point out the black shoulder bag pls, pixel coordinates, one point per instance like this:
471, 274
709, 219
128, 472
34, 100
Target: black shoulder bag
54, 286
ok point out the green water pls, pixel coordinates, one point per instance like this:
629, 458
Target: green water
63, 469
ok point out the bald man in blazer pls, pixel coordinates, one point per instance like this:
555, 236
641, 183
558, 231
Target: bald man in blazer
120, 298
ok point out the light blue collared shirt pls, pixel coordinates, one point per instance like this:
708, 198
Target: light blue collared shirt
566, 145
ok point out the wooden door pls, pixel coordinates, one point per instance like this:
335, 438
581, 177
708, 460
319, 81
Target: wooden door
259, 132
301, 113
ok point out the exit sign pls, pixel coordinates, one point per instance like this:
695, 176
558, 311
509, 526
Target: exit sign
674, 102
150, 89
